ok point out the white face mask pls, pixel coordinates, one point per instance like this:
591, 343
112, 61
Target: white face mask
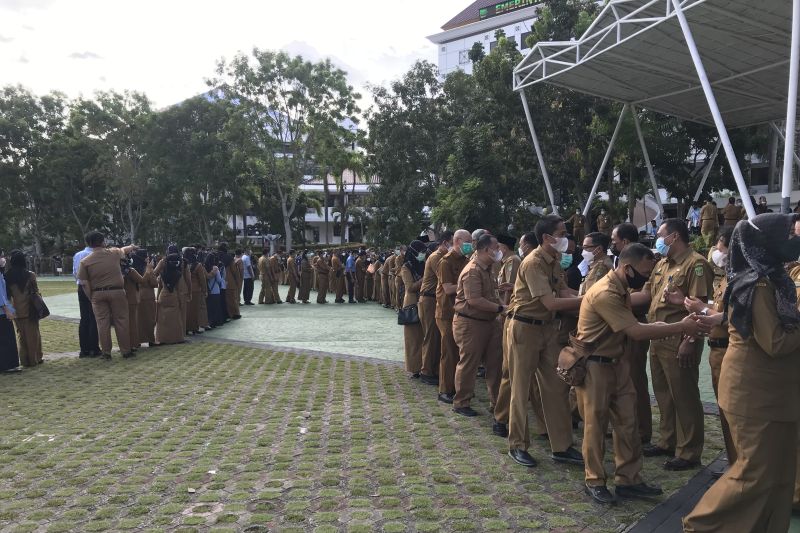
587, 256
498, 256
397, 253
2, 262
520, 252
719, 258
561, 244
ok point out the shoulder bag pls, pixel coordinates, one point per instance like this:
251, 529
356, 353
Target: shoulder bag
39, 309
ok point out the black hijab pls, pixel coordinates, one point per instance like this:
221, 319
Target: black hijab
416, 266
172, 273
139, 260
756, 251
17, 271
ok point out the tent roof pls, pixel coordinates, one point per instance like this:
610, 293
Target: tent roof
635, 53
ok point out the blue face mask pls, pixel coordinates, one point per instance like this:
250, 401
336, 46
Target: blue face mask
661, 246
566, 261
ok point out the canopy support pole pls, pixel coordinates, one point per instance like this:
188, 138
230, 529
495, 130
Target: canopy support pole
707, 171
605, 160
538, 148
647, 163
712, 104
783, 139
791, 110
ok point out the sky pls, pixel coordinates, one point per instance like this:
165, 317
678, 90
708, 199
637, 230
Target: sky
168, 48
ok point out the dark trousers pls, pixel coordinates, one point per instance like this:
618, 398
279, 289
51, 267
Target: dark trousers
9, 356
223, 306
248, 290
214, 307
87, 330
351, 285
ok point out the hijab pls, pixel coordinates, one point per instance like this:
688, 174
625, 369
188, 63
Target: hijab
754, 253
17, 271
172, 273
416, 266
139, 261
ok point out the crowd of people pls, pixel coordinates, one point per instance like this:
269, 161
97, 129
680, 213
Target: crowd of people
559, 325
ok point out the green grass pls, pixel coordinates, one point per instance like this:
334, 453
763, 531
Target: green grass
87, 445
53, 288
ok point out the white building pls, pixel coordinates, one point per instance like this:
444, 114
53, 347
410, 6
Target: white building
478, 24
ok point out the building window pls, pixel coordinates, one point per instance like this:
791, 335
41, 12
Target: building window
463, 57
524, 40
513, 39
337, 229
444, 49
492, 46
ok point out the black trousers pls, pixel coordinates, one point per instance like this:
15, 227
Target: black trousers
87, 330
247, 290
9, 357
351, 285
215, 306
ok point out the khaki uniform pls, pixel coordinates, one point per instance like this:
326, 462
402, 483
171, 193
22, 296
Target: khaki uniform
388, 281
718, 342
731, 214
322, 270
636, 355
450, 268
29, 338
608, 393
719, 273
412, 333
431, 338
399, 286
337, 278
604, 224
578, 222
199, 281
477, 333
676, 389
171, 307
709, 221
532, 345
759, 391
101, 271
292, 277
597, 272
274, 274
306, 280
265, 295
131, 286
361, 274
147, 308
233, 282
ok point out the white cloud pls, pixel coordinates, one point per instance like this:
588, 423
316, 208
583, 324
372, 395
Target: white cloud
84, 55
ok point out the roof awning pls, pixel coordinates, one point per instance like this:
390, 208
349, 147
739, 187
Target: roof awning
635, 53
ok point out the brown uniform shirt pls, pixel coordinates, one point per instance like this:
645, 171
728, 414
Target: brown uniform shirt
577, 221
794, 273
132, 282
21, 298
101, 268
430, 279
732, 214
690, 273
605, 313
597, 271
761, 375
603, 223
388, 266
450, 268
708, 215
719, 332
322, 267
411, 286
539, 275
263, 266
476, 281
508, 273
291, 268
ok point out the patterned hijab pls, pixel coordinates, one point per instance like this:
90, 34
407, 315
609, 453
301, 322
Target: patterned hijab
755, 252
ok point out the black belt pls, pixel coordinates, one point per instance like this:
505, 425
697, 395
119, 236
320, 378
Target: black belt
718, 343
429, 294
103, 289
601, 359
527, 320
462, 315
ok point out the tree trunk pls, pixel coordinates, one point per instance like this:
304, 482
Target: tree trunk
131, 222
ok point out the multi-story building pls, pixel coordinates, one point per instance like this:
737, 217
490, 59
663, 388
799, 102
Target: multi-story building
478, 24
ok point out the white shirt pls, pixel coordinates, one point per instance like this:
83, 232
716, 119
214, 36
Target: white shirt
76, 262
248, 266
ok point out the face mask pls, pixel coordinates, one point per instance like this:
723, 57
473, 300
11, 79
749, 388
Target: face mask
661, 246
498, 256
719, 258
566, 261
421, 258
466, 248
636, 281
561, 244
587, 256
789, 250
397, 253
520, 252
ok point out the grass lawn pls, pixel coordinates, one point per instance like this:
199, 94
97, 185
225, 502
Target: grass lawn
208, 436
54, 286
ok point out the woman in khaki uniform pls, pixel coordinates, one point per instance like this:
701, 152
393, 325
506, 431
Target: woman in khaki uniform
197, 274
132, 279
411, 273
323, 270
147, 298
20, 285
170, 327
759, 388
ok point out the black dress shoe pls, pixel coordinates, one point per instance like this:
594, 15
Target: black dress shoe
642, 491
676, 464
569, 456
465, 411
429, 380
415, 375
128, 355
500, 429
600, 494
653, 450
522, 457
446, 398
83, 354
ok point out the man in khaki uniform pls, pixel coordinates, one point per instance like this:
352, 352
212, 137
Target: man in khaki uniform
607, 393
389, 294
675, 381
532, 343
398, 287
604, 223
709, 220
450, 268
337, 278
731, 213
292, 276
477, 326
101, 277
578, 222
265, 295
361, 276
595, 256
323, 270
275, 274
431, 338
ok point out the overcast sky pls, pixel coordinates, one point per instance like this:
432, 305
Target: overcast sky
166, 48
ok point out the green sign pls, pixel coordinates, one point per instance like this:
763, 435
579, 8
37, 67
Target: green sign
502, 8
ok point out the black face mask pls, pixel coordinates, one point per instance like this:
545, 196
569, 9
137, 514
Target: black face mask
789, 250
636, 281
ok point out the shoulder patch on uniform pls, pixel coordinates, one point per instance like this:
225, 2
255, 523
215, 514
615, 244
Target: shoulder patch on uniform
699, 270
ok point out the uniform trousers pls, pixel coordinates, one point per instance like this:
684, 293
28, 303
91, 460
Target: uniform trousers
361, 287
262, 295
755, 493
87, 330
431, 338
231, 301
29, 341
351, 285
449, 359
392, 289
678, 396
292, 289
412, 335
478, 341
322, 288
636, 355
608, 394
193, 312
709, 231
276, 296
715, 357
533, 354
147, 320
112, 307
133, 327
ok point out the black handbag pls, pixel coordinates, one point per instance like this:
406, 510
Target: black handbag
39, 309
408, 315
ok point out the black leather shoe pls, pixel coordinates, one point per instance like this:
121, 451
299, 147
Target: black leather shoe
500, 429
84, 354
429, 380
106, 356
465, 411
653, 450
128, 355
676, 464
446, 398
569, 456
415, 375
522, 457
642, 491
600, 494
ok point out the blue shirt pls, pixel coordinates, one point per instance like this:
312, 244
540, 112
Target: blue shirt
350, 265
215, 284
3, 298
76, 262
248, 266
